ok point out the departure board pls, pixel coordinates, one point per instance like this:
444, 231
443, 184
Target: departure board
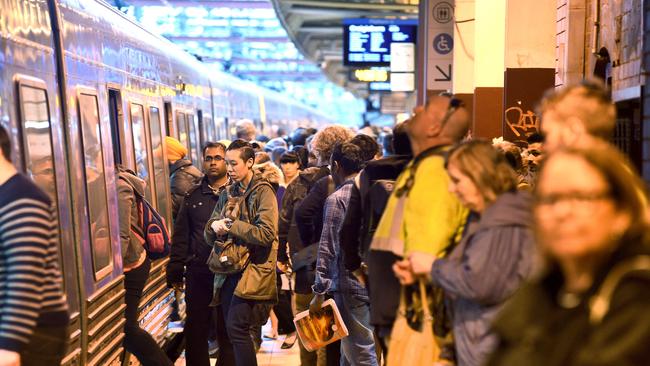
367, 42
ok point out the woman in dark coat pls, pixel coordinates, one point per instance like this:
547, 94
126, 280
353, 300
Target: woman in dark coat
495, 255
590, 307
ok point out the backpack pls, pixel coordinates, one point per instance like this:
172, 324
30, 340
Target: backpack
373, 202
156, 241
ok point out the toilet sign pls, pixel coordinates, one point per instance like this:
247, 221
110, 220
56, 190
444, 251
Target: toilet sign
439, 23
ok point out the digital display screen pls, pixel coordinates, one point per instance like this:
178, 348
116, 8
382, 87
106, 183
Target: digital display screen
367, 42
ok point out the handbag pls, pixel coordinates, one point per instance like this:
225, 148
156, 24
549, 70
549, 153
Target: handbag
413, 347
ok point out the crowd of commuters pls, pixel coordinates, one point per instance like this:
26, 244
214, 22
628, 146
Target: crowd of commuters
528, 255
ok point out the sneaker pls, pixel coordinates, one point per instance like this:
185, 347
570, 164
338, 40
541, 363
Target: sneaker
213, 347
175, 327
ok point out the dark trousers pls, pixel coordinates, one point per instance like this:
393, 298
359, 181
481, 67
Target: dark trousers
239, 316
198, 294
47, 346
136, 340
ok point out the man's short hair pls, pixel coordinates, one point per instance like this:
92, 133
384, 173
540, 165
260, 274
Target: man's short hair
5, 143
246, 130
349, 156
401, 142
589, 101
246, 151
210, 144
369, 146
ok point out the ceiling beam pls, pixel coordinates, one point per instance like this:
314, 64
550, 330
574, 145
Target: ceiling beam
375, 7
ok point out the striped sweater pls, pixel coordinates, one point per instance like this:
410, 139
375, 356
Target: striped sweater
31, 292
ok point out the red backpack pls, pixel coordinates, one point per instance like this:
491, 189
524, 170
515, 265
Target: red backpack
156, 239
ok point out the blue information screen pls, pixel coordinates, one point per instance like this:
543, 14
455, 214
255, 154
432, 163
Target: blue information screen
366, 42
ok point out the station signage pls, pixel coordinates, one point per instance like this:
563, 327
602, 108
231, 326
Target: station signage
368, 75
368, 42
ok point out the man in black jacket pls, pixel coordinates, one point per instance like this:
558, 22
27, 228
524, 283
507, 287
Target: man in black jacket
183, 176
189, 253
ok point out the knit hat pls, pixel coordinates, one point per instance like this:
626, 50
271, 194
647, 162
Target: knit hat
275, 142
175, 150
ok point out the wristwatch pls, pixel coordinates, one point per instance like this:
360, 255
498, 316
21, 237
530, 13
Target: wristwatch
229, 223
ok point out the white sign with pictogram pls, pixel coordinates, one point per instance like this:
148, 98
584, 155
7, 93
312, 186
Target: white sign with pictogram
440, 44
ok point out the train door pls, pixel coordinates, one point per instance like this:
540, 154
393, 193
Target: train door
116, 116
99, 229
42, 148
181, 129
160, 166
141, 147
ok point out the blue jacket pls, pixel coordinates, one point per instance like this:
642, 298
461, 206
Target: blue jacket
493, 259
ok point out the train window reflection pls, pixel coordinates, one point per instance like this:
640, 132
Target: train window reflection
140, 146
210, 133
38, 142
160, 177
95, 185
181, 124
194, 141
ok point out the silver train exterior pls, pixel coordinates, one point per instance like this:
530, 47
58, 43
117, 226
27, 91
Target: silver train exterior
83, 88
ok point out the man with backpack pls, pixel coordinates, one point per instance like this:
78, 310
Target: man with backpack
182, 174
133, 237
243, 232
368, 198
189, 254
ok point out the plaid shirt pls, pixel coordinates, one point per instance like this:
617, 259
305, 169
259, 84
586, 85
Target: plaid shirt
331, 275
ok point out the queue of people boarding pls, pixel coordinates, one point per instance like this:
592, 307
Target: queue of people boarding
437, 249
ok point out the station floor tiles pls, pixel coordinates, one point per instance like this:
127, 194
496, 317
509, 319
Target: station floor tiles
270, 354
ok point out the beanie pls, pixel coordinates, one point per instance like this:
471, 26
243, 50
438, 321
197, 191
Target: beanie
175, 150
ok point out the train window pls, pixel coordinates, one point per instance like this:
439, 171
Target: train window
160, 176
140, 146
38, 141
115, 115
181, 127
203, 136
210, 132
169, 123
194, 141
95, 185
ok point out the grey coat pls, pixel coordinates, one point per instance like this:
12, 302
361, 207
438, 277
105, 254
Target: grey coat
493, 259
183, 176
127, 184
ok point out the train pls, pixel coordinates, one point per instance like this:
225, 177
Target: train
83, 88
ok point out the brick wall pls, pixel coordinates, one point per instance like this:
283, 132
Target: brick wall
570, 38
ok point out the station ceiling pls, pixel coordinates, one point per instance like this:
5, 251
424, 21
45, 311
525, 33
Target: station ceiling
315, 27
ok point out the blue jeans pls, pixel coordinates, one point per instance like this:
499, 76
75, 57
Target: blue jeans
359, 347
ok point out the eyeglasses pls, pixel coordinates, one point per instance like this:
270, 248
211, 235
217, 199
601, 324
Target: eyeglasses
574, 198
216, 158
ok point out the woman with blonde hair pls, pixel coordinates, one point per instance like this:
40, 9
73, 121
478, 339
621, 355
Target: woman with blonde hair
590, 304
495, 255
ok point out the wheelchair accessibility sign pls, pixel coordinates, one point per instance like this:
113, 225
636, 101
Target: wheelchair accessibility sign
443, 43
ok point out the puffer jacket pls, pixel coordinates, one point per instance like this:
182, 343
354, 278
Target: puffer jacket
259, 233
132, 250
492, 260
183, 176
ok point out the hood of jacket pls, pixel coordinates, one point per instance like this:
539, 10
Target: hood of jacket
270, 172
312, 174
133, 180
510, 209
180, 163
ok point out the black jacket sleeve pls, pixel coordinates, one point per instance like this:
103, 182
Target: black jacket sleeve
349, 233
310, 210
180, 245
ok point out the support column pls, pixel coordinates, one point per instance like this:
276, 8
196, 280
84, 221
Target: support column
463, 81
489, 64
530, 42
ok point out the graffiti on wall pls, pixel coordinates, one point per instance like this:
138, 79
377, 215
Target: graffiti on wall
522, 123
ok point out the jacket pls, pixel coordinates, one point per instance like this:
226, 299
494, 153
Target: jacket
293, 195
188, 243
535, 330
259, 233
492, 260
182, 177
128, 183
353, 232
